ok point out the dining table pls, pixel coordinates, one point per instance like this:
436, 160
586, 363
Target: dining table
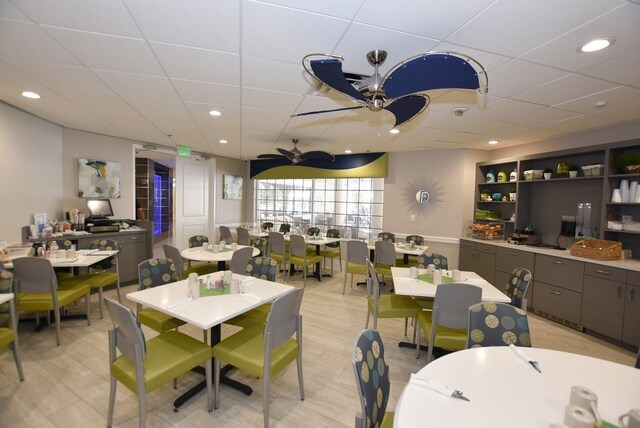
223, 255
318, 242
82, 259
404, 249
210, 311
504, 390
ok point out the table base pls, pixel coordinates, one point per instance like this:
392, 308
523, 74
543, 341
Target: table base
245, 389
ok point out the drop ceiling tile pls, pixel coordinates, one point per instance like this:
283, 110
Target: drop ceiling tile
564, 89
129, 85
171, 111
108, 52
9, 11
488, 60
502, 110
425, 18
260, 120
34, 45
207, 93
617, 97
279, 101
204, 24
63, 79
512, 28
543, 116
622, 70
562, 52
627, 113
274, 75
338, 8
96, 16
517, 76
198, 64
305, 32
582, 123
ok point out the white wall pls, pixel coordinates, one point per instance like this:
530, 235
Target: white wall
231, 212
30, 173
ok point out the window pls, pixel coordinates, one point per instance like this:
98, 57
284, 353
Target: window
353, 205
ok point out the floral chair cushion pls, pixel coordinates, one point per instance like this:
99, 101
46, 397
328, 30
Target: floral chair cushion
372, 376
417, 239
197, 241
517, 286
387, 236
497, 324
263, 268
438, 260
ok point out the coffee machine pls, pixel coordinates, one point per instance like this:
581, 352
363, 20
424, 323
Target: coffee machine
567, 232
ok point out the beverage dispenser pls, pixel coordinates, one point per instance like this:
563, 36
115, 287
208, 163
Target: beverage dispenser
583, 221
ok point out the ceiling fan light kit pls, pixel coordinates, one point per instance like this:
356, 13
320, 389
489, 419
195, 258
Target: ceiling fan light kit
295, 155
401, 90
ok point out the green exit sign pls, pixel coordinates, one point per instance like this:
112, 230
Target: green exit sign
184, 151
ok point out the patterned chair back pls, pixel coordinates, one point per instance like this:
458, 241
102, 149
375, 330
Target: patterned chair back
313, 231
517, 286
372, 377
197, 241
263, 268
387, 236
497, 324
6, 286
438, 260
105, 245
285, 228
417, 239
261, 244
333, 233
63, 244
154, 272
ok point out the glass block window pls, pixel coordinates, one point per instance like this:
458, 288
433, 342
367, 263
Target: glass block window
353, 205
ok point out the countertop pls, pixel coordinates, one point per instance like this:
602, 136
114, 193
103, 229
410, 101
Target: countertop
566, 254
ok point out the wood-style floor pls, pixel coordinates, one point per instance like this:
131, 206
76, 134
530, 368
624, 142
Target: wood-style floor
67, 386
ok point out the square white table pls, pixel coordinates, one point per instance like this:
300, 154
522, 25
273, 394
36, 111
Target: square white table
401, 248
211, 311
318, 242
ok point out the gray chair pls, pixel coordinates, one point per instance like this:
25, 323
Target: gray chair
447, 323
240, 259
225, 235
385, 257
182, 272
387, 236
332, 251
298, 256
264, 350
38, 291
517, 285
243, 236
277, 249
357, 255
497, 324
144, 366
8, 321
372, 379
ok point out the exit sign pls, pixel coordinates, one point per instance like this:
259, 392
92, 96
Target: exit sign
184, 151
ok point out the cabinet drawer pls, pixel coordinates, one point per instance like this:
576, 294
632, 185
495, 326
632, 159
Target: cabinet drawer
469, 245
603, 306
560, 272
127, 238
605, 272
486, 248
633, 277
508, 259
557, 302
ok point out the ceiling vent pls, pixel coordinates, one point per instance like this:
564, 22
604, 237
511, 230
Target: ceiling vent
459, 111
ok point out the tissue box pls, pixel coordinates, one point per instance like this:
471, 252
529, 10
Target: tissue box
593, 170
533, 174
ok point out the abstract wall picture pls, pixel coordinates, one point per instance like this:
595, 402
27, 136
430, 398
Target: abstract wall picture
97, 178
231, 187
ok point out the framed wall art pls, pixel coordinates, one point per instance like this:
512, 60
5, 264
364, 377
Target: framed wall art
98, 179
231, 187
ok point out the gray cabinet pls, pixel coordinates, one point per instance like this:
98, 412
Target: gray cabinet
603, 300
631, 320
508, 259
479, 258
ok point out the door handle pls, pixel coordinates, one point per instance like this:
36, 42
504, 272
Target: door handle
514, 254
631, 290
556, 262
557, 293
619, 290
604, 272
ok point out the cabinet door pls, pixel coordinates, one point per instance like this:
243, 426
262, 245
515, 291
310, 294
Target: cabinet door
559, 271
486, 266
603, 302
557, 302
130, 255
631, 324
507, 259
467, 255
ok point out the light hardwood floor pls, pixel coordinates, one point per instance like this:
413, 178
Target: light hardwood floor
67, 386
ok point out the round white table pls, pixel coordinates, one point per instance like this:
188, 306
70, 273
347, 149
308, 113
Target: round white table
197, 254
506, 391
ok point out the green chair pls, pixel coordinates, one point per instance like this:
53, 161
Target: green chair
417, 239
298, 256
497, 324
173, 253
144, 366
447, 324
357, 254
262, 245
332, 251
263, 268
372, 380
387, 305
8, 322
197, 241
385, 257
517, 287
277, 250
101, 274
152, 273
387, 236
38, 290
265, 350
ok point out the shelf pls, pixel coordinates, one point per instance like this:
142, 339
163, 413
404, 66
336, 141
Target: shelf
563, 179
628, 232
501, 183
620, 204
624, 176
496, 202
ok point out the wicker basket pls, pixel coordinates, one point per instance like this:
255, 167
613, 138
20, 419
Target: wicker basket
597, 249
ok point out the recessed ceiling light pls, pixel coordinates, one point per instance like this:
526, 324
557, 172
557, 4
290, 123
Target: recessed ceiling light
394, 131
29, 94
493, 142
348, 151
215, 113
222, 141
597, 44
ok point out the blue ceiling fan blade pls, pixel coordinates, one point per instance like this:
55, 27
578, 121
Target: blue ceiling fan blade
406, 108
286, 153
272, 156
329, 72
431, 71
317, 155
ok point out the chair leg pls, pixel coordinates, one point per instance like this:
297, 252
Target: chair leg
344, 284
100, 301
208, 370
16, 357
112, 401
418, 338
304, 276
300, 381
265, 397
88, 306
216, 389
56, 316
142, 404
366, 324
406, 324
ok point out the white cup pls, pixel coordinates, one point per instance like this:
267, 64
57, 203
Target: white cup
587, 399
616, 196
455, 275
191, 283
437, 277
234, 288
577, 417
633, 419
71, 254
234, 246
431, 268
216, 248
228, 276
413, 272
205, 246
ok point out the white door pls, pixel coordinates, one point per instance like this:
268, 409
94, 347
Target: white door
194, 201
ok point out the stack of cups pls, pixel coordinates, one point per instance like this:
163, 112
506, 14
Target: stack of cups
582, 411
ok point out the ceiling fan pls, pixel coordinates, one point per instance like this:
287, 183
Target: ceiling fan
296, 156
399, 91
